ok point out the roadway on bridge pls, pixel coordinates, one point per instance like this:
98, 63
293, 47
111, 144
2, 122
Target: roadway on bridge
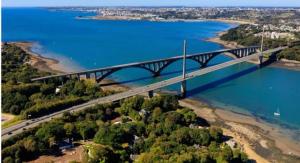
18, 128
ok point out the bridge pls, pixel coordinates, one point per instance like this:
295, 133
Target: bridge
153, 66
18, 128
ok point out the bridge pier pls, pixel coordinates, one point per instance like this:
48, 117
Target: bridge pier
183, 89
260, 60
150, 94
87, 76
156, 74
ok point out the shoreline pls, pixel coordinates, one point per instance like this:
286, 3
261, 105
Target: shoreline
40, 62
229, 121
283, 63
252, 134
130, 18
53, 66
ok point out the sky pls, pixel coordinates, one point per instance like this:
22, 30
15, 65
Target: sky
263, 3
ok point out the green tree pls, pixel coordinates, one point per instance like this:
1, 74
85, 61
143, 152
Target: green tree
216, 133
96, 153
70, 129
87, 129
30, 145
49, 130
200, 136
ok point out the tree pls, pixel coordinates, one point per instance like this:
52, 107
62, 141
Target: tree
79, 88
200, 136
47, 89
226, 154
67, 117
216, 133
114, 135
189, 115
30, 145
156, 114
169, 102
70, 130
96, 153
8, 160
134, 103
87, 129
49, 130
181, 135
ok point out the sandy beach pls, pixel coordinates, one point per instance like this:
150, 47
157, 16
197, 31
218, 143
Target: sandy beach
40, 62
260, 140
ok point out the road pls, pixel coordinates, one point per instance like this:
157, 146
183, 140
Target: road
18, 128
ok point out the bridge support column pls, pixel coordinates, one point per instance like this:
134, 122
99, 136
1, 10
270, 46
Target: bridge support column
183, 83
156, 74
150, 94
183, 89
260, 60
95, 76
87, 76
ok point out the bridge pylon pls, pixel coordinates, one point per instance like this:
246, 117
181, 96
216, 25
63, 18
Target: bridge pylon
260, 56
183, 83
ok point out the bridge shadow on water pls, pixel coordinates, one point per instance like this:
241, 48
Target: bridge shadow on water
218, 82
149, 77
163, 74
201, 88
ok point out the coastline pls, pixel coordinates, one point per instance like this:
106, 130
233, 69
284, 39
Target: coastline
283, 63
40, 62
130, 18
231, 123
53, 66
259, 139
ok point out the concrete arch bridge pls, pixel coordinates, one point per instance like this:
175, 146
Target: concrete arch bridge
154, 66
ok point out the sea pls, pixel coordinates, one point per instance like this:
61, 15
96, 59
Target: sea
82, 44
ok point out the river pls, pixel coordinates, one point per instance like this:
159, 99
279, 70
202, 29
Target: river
84, 44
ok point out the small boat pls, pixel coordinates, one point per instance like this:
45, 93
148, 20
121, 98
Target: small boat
277, 113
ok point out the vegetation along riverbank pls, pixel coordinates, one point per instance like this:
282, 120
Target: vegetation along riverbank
250, 35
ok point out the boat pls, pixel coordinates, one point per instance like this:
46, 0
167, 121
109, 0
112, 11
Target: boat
277, 113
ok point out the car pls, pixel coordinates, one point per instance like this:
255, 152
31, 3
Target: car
9, 133
24, 129
27, 123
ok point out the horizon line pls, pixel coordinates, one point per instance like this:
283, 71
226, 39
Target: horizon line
249, 6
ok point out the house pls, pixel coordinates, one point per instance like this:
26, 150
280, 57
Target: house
231, 143
65, 144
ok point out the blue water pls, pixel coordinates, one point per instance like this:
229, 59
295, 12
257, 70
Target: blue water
85, 44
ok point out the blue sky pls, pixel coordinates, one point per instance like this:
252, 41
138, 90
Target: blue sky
292, 3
